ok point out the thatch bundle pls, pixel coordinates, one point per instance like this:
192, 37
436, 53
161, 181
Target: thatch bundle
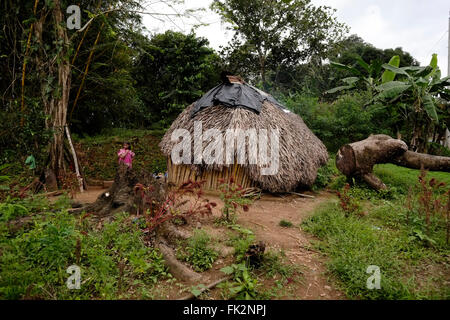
301, 153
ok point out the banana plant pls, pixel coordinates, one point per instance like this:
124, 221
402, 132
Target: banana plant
370, 76
422, 95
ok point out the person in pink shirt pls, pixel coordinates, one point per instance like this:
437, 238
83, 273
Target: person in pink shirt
126, 155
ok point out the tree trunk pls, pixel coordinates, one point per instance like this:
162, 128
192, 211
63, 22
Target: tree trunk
357, 159
416, 160
55, 104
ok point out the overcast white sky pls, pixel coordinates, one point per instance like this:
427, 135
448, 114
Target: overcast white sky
418, 26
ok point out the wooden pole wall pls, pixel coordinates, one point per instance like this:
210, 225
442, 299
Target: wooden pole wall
178, 174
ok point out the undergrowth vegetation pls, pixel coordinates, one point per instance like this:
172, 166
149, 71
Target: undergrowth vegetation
198, 252
114, 260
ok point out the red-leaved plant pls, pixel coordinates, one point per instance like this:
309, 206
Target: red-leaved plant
185, 201
433, 199
347, 202
234, 196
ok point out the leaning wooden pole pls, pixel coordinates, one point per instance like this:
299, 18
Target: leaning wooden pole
75, 160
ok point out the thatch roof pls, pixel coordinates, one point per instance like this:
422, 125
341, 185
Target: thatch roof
301, 153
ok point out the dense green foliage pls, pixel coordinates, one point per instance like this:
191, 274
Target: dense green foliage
118, 75
343, 121
274, 34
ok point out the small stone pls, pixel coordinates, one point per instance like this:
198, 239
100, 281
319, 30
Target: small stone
327, 287
198, 225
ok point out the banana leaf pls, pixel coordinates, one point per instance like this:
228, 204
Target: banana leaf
388, 75
430, 107
391, 89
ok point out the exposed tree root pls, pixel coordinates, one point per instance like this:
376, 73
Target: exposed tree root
177, 268
206, 288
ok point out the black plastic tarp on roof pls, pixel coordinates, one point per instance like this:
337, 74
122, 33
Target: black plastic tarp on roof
235, 95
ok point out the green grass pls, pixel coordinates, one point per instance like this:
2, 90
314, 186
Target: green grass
390, 236
403, 178
198, 251
385, 239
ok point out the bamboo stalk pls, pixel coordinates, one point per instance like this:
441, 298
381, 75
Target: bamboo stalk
22, 107
86, 70
302, 195
82, 38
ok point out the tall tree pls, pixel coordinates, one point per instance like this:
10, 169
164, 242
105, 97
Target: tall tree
41, 61
172, 71
280, 32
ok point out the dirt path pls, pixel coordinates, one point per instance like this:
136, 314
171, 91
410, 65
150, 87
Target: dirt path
89, 195
263, 218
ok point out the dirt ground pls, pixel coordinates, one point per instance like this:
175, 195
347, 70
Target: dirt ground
263, 219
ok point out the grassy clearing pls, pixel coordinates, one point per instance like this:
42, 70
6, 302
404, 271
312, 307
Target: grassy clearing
413, 255
98, 154
404, 178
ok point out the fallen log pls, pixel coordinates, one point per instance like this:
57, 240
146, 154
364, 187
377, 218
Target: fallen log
358, 158
416, 160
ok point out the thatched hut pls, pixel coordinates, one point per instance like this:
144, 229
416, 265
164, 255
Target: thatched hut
237, 105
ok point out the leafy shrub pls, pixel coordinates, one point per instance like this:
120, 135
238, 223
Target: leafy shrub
241, 242
438, 149
243, 286
198, 251
347, 202
9, 211
325, 174
344, 121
